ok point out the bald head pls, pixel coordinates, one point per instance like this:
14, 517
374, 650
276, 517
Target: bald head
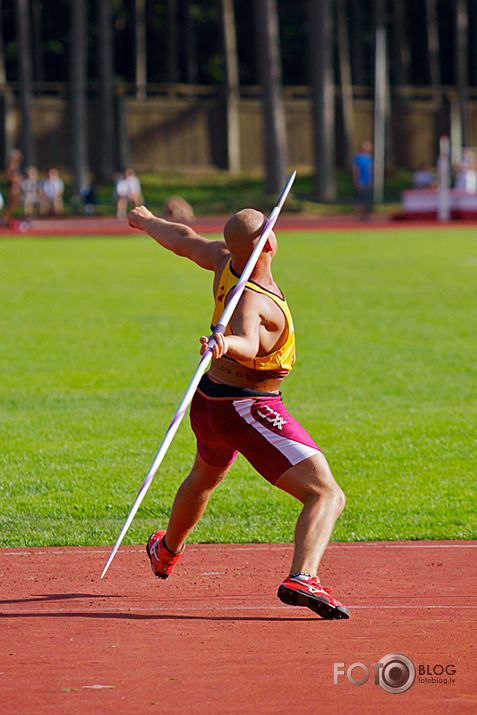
242, 230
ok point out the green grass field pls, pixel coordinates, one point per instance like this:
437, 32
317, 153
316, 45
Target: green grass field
220, 192
99, 339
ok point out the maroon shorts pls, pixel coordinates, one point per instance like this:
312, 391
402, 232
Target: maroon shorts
258, 426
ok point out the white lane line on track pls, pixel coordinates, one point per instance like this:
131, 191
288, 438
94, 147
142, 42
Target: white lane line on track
218, 609
274, 547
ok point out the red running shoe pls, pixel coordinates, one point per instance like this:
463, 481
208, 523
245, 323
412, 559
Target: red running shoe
162, 560
304, 590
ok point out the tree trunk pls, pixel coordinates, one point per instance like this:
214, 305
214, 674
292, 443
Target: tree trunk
323, 97
172, 40
106, 91
141, 50
7, 108
79, 129
37, 45
401, 49
22, 16
433, 43
462, 26
380, 123
380, 21
232, 85
356, 42
435, 76
190, 44
473, 44
269, 60
3, 75
345, 80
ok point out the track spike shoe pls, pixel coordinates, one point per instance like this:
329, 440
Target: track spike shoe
304, 590
162, 560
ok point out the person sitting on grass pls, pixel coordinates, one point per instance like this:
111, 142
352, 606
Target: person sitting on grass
13, 175
52, 189
127, 191
179, 209
31, 193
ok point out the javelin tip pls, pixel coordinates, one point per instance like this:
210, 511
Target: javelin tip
106, 568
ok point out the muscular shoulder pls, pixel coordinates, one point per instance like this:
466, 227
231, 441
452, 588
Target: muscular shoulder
219, 254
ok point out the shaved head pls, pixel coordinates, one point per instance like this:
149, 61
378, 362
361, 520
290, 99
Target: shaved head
242, 230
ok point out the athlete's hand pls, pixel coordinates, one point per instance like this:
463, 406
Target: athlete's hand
138, 216
219, 348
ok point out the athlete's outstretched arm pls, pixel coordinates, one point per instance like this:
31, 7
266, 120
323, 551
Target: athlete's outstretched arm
179, 238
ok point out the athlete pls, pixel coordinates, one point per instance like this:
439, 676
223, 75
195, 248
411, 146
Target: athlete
238, 406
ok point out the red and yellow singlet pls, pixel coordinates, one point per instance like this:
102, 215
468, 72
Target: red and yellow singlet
279, 361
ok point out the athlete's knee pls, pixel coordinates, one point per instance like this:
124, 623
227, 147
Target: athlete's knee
339, 499
330, 492
330, 489
313, 483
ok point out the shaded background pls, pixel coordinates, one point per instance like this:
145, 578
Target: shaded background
251, 85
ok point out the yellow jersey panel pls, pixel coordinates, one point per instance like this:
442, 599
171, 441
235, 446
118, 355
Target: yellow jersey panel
279, 361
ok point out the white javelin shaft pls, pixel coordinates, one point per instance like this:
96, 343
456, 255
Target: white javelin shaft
202, 366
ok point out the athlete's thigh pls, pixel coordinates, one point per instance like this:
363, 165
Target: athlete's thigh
269, 437
205, 475
207, 418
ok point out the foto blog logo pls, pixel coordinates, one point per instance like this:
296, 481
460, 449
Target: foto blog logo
394, 673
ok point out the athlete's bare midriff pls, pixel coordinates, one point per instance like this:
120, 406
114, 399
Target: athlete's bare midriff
232, 373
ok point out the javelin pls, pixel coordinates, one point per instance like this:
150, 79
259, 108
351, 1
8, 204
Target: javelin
202, 366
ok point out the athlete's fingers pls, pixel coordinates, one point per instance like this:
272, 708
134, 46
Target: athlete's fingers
219, 341
221, 344
219, 348
138, 215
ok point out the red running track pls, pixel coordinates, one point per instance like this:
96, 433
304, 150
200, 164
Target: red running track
108, 226
214, 638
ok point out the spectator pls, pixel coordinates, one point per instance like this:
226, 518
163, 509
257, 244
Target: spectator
31, 194
127, 191
179, 209
14, 179
424, 178
466, 177
88, 194
363, 179
52, 189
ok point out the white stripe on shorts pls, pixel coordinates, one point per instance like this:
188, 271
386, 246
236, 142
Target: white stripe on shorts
294, 451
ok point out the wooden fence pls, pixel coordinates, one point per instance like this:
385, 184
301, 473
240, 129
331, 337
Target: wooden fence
180, 128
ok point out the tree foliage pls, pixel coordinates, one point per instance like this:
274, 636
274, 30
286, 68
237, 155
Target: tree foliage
55, 35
